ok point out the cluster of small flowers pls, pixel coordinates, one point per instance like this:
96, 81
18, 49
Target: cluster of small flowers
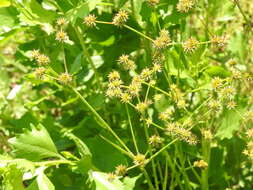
90, 20
133, 89
40, 58
114, 86
163, 40
207, 134
226, 93
126, 63
143, 106
220, 41
120, 171
178, 96
155, 141
185, 5
175, 130
61, 36
120, 18
200, 164
140, 160
190, 45
249, 150
65, 78
166, 115
248, 116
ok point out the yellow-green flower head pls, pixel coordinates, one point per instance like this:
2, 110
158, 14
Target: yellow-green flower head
90, 20
120, 18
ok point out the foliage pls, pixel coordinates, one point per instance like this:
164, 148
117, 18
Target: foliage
126, 94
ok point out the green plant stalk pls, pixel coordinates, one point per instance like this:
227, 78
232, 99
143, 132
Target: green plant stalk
87, 54
53, 162
136, 31
116, 146
101, 122
158, 89
64, 59
152, 161
165, 181
131, 129
242, 12
206, 157
181, 166
148, 179
133, 8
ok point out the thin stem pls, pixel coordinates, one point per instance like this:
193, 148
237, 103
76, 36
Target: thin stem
161, 150
64, 59
152, 161
131, 129
158, 89
241, 11
148, 179
116, 146
101, 122
103, 22
136, 31
165, 175
53, 162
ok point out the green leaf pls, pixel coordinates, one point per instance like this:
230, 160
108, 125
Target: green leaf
77, 65
34, 145
41, 183
102, 183
31, 12
229, 124
129, 183
218, 71
82, 147
81, 11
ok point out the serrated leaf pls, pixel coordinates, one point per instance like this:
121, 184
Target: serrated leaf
229, 124
34, 145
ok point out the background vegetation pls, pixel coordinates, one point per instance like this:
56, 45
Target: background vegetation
126, 94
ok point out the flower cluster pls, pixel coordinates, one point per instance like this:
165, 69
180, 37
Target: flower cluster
163, 40
126, 62
185, 5
140, 160
200, 164
120, 18
90, 20
175, 130
40, 58
190, 45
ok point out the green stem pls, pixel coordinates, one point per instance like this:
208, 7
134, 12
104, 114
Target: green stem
165, 181
53, 162
206, 157
116, 146
241, 11
131, 129
148, 179
101, 122
136, 31
64, 60
152, 161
